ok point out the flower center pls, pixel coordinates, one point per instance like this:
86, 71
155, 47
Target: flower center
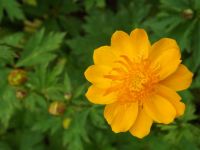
137, 81
132, 80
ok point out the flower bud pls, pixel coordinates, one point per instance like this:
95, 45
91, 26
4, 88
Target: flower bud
68, 96
30, 2
21, 94
57, 108
66, 123
32, 26
188, 13
17, 77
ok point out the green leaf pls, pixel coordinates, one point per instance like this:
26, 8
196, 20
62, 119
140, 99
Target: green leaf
35, 102
195, 63
189, 114
40, 48
12, 8
79, 91
47, 123
196, 81
8, 45
67, 83
48, 80
96, 116
5, 146
177, 5
8, 105
76, 134
30, 140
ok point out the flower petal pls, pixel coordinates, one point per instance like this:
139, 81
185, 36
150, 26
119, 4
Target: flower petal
95, 74
122, 44
180, 79
97, 95
160, 109
121, 116
173, 98
104, 56
142, 125
141, 42
165, 54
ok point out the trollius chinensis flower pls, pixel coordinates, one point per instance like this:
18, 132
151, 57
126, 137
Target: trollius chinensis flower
138, 82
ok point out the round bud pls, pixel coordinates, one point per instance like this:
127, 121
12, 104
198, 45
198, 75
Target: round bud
57, 108
66, 123
17, 77
21, 94
187, 13
32, 26
68, 96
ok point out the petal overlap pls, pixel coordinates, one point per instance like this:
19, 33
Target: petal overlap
138, 82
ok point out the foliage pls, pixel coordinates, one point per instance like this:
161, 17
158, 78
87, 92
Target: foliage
53, 42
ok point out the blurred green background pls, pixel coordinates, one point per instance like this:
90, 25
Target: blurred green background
45, 46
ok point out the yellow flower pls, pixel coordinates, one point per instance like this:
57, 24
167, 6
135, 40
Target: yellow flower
138, 82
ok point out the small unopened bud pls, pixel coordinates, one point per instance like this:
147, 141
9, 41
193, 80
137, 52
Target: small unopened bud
30, 2
68, 96
187, 13
17, 77
57, 108
66, 123
21, 94
29, 29
32, 26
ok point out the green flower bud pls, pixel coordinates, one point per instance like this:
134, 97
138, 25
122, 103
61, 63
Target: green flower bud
188, 13
57, 108
17, 77
68, 96
21, 94
66, 123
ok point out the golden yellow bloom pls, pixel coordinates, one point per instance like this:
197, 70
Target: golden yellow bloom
138, 82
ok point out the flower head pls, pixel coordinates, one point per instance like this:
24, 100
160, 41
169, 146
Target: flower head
138, 82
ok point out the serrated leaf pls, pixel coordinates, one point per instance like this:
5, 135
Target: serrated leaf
79, 91
8, 105
40, 48
12, 8
34, 102
48, 123
7, 46
76, 134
